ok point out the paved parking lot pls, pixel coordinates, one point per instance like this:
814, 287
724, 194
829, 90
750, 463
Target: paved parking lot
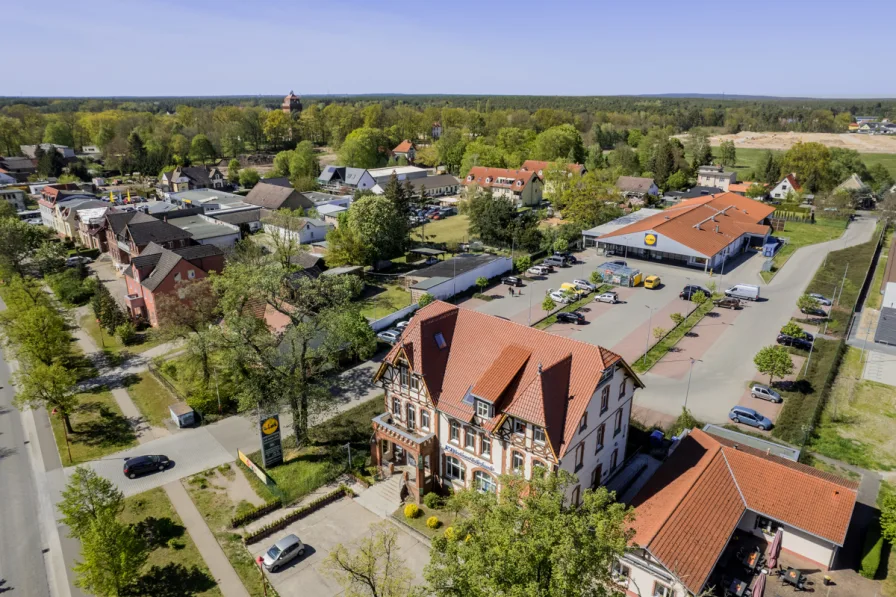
344, 522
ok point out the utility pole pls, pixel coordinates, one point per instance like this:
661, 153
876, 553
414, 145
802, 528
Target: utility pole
688, 390
842, 283
647, 339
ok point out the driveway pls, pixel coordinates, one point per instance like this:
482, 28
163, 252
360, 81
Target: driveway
344, 522
114, 281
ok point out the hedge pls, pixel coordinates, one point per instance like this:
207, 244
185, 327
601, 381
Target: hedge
255, 513
280, 524
874, 544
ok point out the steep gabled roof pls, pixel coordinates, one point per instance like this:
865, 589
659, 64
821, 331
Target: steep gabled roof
403, 147
274, 196
488, 178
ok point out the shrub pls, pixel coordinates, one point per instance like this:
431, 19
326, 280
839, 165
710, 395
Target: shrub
70, 288
433, 522
874, 543
411, 511
676, 318
254, 513
792, 329
278, 525
451, 534
126, 332
432, 501
425, 299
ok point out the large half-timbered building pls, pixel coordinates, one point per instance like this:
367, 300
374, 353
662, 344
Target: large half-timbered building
470, 397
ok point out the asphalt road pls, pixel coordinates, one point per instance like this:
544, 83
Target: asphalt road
22, 568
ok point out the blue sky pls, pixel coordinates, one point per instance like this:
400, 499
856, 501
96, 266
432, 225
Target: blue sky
816, 48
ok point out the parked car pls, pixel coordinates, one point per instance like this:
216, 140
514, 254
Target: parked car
448, 211
560, 297
690, 290
822, 299
540, 270
570, 317
511, 281
817, 312
139, 465
608, 297
748, 416
744, 291
652, 282
765, 393
389, 336
800, 343
584, 285
555, 262
573, 289
401, 325
283, 551
437, 216
727, 303
77, 260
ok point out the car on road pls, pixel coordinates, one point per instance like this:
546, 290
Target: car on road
608, 297
727, 303
139, 465
744, 291
765, 393
801, 343
511, 281
822, 299
584, 285
77, 260
389, 336
748, 416
690, 290
652, 282
570, 317
560, 297
540, 270
282, 552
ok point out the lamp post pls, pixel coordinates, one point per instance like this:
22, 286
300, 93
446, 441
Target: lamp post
65, 431
217, 392
688, 390
647, 339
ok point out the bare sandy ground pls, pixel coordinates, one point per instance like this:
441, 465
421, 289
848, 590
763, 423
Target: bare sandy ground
784, 141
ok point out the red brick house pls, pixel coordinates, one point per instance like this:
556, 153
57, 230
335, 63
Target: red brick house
157, 270
129, 233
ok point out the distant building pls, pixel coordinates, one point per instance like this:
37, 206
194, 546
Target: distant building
206, 230
715, 176
30, 151
785, 187
305, 230
337, 178
405, 150
185, 178
636, 187
291, 104
15, 197
18, 168
540, 167
440, 185
436, 131
384, 175
129, 233
522, 187
274, 197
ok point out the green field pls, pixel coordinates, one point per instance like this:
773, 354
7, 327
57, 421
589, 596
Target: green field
453, 229
747, 159
99, 428
801, 234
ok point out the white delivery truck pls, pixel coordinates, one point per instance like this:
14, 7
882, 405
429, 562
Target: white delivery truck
749, 292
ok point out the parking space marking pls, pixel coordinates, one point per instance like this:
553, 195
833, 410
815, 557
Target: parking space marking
677, 362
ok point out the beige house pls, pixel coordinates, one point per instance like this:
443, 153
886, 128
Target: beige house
522, 187
715, 176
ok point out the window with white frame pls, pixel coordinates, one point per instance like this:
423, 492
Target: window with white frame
484, 482
455, 432
519, 427
177, 277
600, 438
483, 409
404, 376
538, 435
396, 408
424, 419
621, 572
454, 469
415, 382
469, 439
517, 462
604, 399
412, 417
661, 590
486, 446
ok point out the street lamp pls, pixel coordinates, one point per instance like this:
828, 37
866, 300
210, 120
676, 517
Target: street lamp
647, 339
688, 390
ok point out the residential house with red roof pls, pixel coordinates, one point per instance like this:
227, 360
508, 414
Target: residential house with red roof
522, 187
701, 232
129, 233
710, 496
406, 150
541, 167
470, 397
787, 186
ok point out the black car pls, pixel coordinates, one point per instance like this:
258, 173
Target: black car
800, 343
570, 317
690, 290
139, 465
511, 281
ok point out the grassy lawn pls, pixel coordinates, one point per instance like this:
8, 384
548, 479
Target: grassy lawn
151, 397
801, 234
394, 298
99, 428
889, 581
453, 229
325, 458
174, 565
643, 363
875, 296
748, 159
109, 343
857, 422
808, 458
854, 263
217, 509
419, 524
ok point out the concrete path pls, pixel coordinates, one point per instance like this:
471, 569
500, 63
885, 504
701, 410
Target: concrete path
880, 367
228, 580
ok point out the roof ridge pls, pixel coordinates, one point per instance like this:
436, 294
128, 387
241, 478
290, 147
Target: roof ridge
799, 470
733, 476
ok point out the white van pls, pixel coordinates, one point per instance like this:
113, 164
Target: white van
744, 291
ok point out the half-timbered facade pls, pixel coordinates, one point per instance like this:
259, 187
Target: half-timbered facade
470, 397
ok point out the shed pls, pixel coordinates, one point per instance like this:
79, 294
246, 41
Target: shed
182, 414
613, 273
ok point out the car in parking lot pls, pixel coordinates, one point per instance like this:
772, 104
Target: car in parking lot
401, 325
762, 392
556, 262
608, 297
540, 270
801, 343
282, 552
389, 336
691, 289
584, 285
570, 317
77, 260
511, 281
822, 299
727, 303
139, 465
560, 297
748, 416
448, 211
652, 282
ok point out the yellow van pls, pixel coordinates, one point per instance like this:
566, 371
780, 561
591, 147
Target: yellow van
570, 288
652, 282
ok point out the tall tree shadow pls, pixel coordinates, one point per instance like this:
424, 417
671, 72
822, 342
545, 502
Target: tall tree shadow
157, 532
172, 580
106, 427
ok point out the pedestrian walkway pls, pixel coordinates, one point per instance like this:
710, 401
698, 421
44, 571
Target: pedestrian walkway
228, 580
382, 498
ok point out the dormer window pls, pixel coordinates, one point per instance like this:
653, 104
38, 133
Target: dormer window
519, 183
519, 427
488, 179
483, 409
469, 178
538, 435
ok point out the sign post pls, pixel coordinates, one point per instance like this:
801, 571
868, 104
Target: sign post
271, 448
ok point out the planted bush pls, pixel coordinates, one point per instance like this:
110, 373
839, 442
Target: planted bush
411, 511
433, 522
432, 501
451, 534
255, 513
280, 524
126, 332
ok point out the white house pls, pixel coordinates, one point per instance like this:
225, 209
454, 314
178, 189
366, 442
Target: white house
470, 397
715, 176
15, 197
308, 230
785, 187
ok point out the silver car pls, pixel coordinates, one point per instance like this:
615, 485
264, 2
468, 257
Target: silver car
389, 336
283, 551
765, 393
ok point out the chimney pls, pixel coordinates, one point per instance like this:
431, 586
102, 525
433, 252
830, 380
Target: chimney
539, 368
717, 227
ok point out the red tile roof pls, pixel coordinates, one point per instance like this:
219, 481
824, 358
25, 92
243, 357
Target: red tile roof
539, 167
486, 178
403, 147
687, 512
544, 379
793, 183
706, 224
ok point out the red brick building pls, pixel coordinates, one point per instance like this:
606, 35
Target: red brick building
129, 233
157, 270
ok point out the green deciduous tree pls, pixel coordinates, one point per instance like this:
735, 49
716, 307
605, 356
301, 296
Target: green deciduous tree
590, 201
811, 162
88, 497
794, 330
345, 246
625, 160
112, 555
756, 191
807, 304
364, 148
699, 297
676, 318
249, 177
564, 550
202, 150
18, 240
727, 153
50, 163
36, 334
380, 226
233, 171
481, 282
773, 361
47, 386
374, 568
887, 503
768, 170
106, 309
699, 148
523, 263
559, 143
881, 178
425, 299
678, 181
548, 304
188, 314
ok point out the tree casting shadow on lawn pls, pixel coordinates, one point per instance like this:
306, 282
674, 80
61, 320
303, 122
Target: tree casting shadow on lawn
173, 580
110, 428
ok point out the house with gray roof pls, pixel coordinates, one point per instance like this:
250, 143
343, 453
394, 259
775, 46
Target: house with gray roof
636, 186
184, 178
206, 230
344, 177
274, 197
129, 233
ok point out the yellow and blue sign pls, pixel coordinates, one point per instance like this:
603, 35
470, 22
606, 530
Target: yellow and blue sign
650, 239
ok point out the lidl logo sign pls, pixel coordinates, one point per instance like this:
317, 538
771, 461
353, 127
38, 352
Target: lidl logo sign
270, 426
650, 239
